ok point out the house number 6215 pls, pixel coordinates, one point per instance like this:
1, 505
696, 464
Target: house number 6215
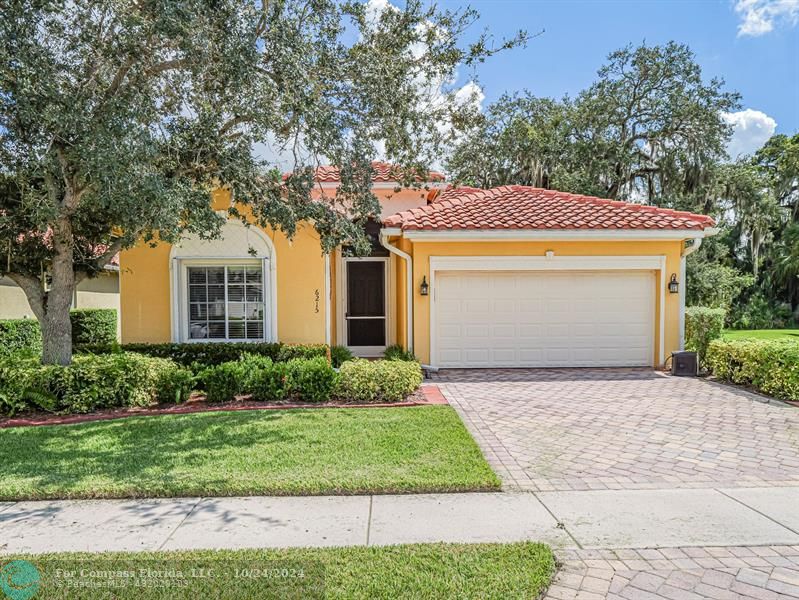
316, 301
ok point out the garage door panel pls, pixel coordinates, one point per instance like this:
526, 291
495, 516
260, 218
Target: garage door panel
544, 319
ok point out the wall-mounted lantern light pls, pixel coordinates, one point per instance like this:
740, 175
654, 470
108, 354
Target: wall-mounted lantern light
424, 289
674, 286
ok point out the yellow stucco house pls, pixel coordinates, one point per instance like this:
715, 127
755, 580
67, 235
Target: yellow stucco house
508, 277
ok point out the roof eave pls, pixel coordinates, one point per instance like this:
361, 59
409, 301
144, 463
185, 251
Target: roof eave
475, 235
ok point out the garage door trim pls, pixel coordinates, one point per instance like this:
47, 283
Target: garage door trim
550, 262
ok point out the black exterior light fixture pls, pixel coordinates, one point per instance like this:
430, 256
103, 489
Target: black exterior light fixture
674, 285
424, 288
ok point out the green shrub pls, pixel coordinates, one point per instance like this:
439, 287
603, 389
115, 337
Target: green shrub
339, 355
94, 326
378, 381
397, 378
226, 381
289, 352
702, 326
175, 385
770, 366
397, 352
20, 337
272, 384
211, 354
89, 383
759, 312
311, 380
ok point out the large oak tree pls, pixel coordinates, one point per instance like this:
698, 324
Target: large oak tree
118, 117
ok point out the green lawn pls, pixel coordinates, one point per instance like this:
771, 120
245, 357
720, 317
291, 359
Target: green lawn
286, 452
501, 571
762, 334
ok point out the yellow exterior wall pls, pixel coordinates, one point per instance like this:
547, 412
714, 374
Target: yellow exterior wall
146, 280
422, 251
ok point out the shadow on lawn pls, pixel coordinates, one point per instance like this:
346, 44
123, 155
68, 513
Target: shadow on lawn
137, 457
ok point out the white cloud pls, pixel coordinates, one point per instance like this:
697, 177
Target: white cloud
759, 17
752, 129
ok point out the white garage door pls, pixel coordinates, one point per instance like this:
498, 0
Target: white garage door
544, 319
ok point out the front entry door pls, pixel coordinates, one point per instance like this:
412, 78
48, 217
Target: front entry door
365, 314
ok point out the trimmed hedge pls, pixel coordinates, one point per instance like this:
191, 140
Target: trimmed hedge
94, 326
214, 353
308, 379
23, 337
20, 337
769, 366
311, 380
91, 383
378, 380
702, 326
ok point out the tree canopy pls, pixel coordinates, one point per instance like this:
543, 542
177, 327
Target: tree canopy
652, 129
117, 119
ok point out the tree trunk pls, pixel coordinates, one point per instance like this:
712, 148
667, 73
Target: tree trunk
57, 329
55, 323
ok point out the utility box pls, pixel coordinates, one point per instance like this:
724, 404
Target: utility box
684, 364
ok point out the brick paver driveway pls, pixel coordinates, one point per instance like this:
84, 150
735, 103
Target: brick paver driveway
576, 429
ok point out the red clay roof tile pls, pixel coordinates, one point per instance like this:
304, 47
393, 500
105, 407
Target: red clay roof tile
522, 207
383, 173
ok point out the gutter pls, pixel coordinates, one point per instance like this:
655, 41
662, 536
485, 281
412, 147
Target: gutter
384, 233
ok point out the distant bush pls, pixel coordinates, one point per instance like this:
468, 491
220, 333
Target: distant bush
91, 383
23, 337
397, 352
214, 353
758, 312
702, 326
20, 337
378, 381
339, 355
770, 366
93, 326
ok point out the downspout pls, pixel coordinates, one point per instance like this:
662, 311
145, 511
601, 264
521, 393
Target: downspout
384, 233
328, 303
686, 251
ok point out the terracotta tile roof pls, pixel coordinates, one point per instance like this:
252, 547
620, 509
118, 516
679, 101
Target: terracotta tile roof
521, 207
383, 173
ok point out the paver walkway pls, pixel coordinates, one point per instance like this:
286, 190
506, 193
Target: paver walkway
758, 572
581, 429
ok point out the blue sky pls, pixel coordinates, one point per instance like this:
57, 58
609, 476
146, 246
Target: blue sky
752, 44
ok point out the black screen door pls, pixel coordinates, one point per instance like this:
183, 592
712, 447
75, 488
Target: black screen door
366, 303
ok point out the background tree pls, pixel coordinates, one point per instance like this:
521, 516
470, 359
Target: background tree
117, 119
650, 129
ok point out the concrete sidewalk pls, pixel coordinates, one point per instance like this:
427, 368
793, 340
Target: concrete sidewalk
578, 519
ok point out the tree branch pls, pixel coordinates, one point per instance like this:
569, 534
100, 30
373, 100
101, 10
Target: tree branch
33, 291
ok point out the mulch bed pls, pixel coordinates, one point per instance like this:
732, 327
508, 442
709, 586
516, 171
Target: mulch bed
425, 395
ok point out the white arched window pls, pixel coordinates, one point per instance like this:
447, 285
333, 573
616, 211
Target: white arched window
223, 290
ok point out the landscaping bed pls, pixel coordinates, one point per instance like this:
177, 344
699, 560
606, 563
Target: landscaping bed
518, 570
275, 452
428, 394
157, 374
